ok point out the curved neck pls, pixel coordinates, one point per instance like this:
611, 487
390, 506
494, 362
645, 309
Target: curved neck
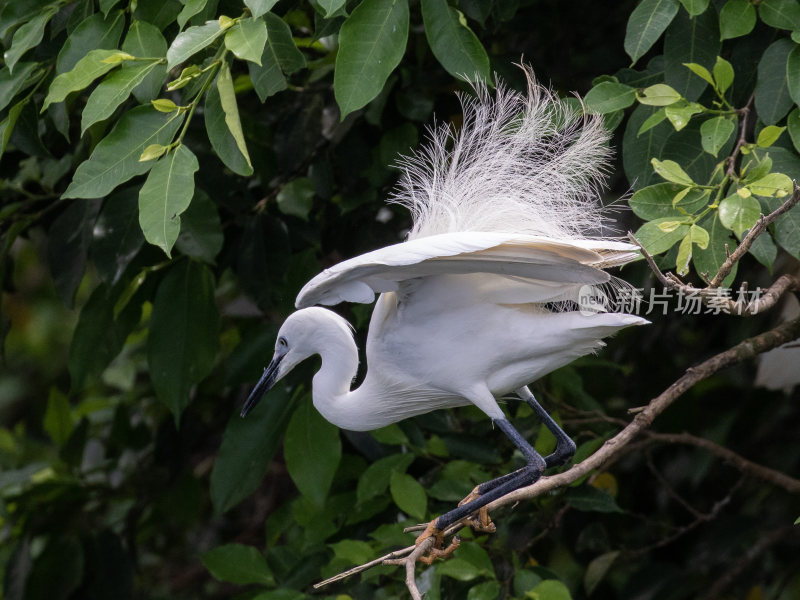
332, 382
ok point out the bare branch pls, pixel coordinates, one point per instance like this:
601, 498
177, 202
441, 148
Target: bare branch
755, 231
742, 140
748, 467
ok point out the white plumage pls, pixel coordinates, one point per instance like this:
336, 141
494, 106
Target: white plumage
480, 300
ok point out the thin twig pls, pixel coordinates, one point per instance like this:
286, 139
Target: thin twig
748, 467
385, 559
742, 140
755, 231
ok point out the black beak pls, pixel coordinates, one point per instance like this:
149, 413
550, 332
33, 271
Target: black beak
263, 386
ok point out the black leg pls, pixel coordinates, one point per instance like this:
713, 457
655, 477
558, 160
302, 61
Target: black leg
502, 485
565, 447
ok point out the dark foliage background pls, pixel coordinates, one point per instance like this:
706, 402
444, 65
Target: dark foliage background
126, 471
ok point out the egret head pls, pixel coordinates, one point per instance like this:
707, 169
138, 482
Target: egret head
303, 334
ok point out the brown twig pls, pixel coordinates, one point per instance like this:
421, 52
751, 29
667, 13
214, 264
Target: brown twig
755, 231
742, 140
711, 295
750, 555
748, 467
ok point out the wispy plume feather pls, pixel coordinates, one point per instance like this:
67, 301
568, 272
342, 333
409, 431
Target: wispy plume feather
521, 163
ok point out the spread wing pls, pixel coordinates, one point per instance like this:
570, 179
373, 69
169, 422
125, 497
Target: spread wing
513, 256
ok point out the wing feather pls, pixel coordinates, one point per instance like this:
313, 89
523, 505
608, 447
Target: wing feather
511, 255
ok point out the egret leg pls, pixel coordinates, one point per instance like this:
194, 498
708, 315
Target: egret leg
501, 486
565, 447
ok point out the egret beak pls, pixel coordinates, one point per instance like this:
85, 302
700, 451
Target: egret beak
264, 384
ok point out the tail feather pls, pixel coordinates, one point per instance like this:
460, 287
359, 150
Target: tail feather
522, 163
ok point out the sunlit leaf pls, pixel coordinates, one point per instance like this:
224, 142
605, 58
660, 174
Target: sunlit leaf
646, 24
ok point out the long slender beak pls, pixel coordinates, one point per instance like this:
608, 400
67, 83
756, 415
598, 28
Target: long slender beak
263, 386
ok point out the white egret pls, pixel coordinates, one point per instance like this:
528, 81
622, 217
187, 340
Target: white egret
481, 299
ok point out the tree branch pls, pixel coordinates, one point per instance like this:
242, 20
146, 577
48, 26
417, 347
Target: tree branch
709, 294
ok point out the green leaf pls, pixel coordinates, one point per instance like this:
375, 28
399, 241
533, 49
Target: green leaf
27, 36
690, 41
488, 590
280, 55
723, 74
371, 44
375, 479
651, 121
458, 569
597, 569
296, 198
390, 435
695, 7
117, 235
190, 9
160, 14
793, 74
655, 240
787, 231
714, 133
709, 260
11, 85
408, 495
248, 446
609, 96
107, 5
638, 149
777, 185
647, 22
354, 552
590, 499
221, 138
192, 41
152, 152
331, 7
89, 68
165, 195
739, 214
201, 230
769, 135
680, 114
247, 39
772, 97
145, 41
549, 589
764, 250
737, 18
657, 201
453, 43
259, 7
700, 71
671, 171
67, 247
8, 124
58, 421
793, 125
113, 91
312, 450
239, 564
227, 98
164, 105
116, 158
183, 338
93, 33
781, 14
659, 95
98, 339
699, 236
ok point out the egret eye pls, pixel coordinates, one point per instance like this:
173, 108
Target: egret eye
282, 342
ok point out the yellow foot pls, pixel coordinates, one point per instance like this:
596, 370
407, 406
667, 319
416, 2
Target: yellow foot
481, 523
436, 550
